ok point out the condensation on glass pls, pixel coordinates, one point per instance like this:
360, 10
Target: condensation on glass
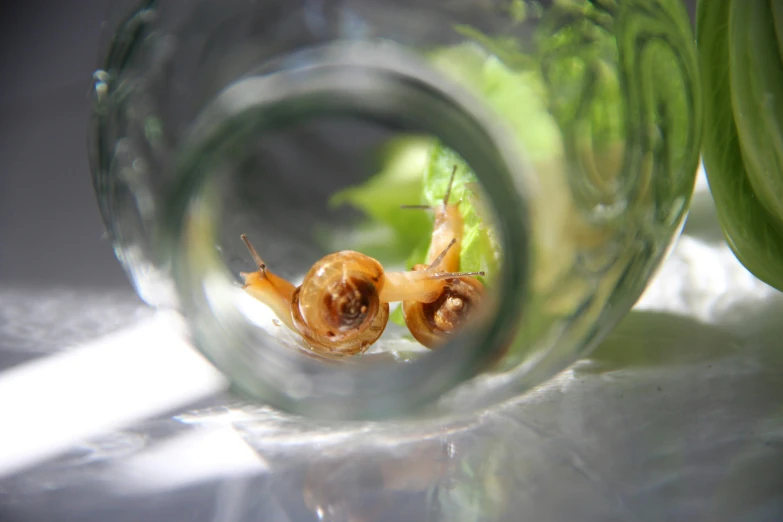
306, 125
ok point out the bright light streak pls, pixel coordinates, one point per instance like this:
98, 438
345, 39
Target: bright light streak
48, 405
197, 456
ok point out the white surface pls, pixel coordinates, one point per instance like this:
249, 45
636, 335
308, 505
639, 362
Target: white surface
48, 405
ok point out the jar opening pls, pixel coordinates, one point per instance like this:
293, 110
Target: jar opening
273, 157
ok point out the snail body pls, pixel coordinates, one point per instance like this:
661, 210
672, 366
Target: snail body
433, 321
275, 291
342, 305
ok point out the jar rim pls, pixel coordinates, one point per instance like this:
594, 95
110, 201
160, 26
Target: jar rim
378, 79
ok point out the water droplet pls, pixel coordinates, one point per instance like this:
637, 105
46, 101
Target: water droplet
100, 86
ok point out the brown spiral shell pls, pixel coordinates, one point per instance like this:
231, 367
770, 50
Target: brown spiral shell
432, 323
337, 309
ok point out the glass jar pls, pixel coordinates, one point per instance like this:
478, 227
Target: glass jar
306, 124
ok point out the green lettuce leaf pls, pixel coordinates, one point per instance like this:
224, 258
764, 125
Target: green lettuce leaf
733, 151
390, 232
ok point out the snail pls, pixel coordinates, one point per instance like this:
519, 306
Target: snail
431, 322
342, 305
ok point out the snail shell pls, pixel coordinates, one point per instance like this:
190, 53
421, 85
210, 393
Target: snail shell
337, 309
432, 323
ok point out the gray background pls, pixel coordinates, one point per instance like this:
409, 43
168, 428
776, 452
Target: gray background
50, 229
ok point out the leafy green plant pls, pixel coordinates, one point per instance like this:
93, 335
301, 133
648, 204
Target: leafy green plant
740, 45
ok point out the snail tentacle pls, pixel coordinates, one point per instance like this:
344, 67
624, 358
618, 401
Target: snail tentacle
270, 289
423, 283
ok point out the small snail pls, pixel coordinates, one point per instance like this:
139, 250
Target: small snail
432, 322
342, 305
338, 307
